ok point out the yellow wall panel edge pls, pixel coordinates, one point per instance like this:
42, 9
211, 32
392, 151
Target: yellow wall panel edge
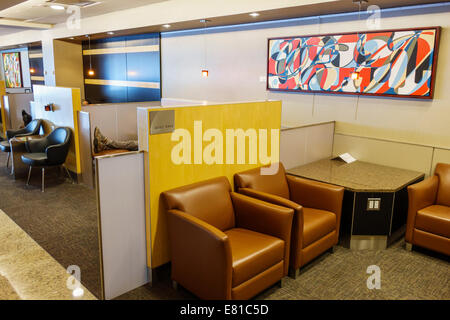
165, 175
76, 103
3, 113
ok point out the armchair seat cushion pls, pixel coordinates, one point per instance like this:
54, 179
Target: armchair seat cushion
434, 219
35, 159
4, 146
317, 224
252, 253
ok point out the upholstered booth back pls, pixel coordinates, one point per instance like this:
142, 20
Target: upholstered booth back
443, 195
274, 184
208, 201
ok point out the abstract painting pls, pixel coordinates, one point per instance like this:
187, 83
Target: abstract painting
13, 72
398, 63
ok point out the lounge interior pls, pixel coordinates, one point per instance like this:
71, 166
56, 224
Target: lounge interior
266, 150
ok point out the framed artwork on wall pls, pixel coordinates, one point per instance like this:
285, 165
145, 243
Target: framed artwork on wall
12, 69
394, 63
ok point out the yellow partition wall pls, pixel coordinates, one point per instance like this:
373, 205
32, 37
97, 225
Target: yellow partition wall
2, 107
164, 174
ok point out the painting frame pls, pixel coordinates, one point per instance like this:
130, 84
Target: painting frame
19, 71
430, 96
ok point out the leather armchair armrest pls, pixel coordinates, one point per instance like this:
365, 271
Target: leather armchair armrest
264, 196
201, 256
420, 195
264, 217
14, 133
36, 145
316, 195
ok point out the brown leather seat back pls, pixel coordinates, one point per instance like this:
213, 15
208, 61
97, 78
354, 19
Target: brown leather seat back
274, 184
208, 200
443, 172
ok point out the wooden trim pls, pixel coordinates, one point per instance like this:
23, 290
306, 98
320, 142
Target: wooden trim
35, 55
120, 83
433, 69
37, 78
136, 49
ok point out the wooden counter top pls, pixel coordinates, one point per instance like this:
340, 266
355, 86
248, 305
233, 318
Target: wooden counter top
358, 176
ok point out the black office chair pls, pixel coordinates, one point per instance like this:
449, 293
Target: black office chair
31, 129
49, 151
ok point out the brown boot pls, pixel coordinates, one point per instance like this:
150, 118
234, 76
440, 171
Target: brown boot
100, 141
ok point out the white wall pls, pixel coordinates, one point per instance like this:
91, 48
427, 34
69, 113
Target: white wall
153, 14
237, 60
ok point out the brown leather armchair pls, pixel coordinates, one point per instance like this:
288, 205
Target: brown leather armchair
428, 223
225, 245
317, 208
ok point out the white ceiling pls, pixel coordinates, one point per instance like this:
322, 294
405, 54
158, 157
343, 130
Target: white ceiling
39, 11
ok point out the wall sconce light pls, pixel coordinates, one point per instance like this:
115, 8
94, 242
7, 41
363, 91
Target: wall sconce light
49, 107
32, 70
205, 73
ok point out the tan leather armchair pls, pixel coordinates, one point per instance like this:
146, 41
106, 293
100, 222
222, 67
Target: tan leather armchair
317, 208
225, 245
428, 223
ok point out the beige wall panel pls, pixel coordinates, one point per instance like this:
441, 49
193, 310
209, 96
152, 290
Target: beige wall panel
68, 65
394, 154
237, 62
293, 147
440, 156
319, 142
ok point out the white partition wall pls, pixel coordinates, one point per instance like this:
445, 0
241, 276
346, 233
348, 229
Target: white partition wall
121, 206
306, 144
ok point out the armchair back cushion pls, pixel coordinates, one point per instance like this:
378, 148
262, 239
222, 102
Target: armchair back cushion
30, 129
274, 184
56, 145
443, 195
208, 201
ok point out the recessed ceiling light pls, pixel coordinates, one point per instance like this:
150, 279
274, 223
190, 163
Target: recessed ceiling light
254, 14
166, 26
57, 7
110, 32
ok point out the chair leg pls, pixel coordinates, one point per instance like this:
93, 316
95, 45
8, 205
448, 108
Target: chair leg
29, 175
408, 246
294, 273
332, 249
281, 283
7, 161
43, 179
175, 285
68, 173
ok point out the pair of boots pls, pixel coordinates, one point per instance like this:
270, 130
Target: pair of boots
102, 143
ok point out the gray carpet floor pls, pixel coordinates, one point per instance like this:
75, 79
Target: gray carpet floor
63, 220
342, 275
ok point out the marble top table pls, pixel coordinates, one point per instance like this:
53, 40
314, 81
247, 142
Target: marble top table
375, 204
358, 176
